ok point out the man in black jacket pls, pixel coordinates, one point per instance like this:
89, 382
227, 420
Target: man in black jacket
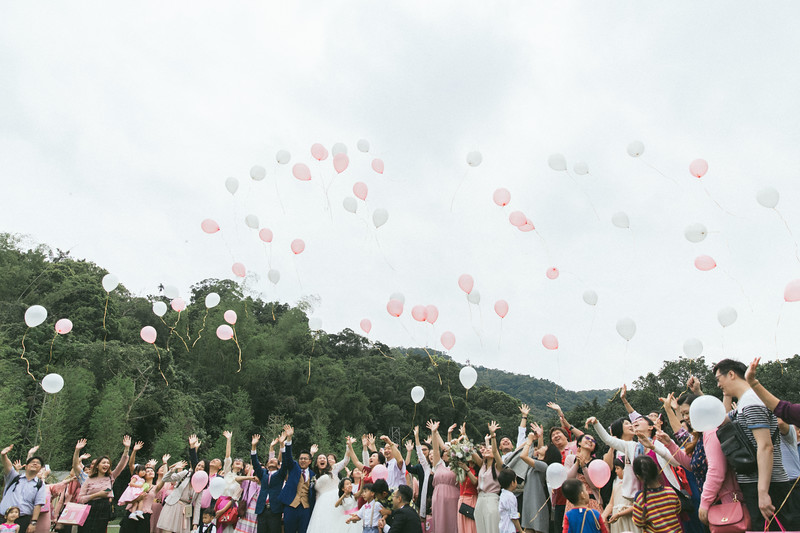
404, 519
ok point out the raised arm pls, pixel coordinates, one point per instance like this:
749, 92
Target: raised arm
423, 461
228, 436
132, 462
341, 464
352, 453
523, 424
193, 457
288, 461
498, 459
126, 447
76, 457
613, 442
769, 399
526, 450
258, 470
669, 409
435, 438
409, 449
678, 454
7, 465
623, 395
564, 423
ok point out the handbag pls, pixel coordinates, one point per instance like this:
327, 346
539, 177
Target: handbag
729, 517
229, 517
740, 454
74, 514
467, 510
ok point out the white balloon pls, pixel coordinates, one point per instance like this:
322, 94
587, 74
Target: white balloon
727, 316
217, 486
274, 276
350, 204
417, 394
171, 292
590, 297
468, 377
258, 173
35, 315
339, 148
580, 168
556, 475
363, 145
706, 413
379, 217
159, 308
399, 296
768, 197
474, 297
474, 158
315, 324
110, 282
251, 221
212, 300
692, 347
52, 383
626, 328
635, 149
283, 157
232, 184
557, 162
695, 232
620, 220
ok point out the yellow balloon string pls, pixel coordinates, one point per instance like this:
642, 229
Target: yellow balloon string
172, 329
55, 334
236, 340
105, 311
383, 354
22, 356
199, 333
159, 365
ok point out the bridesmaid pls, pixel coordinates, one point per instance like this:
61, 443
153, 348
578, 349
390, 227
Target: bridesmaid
445, 486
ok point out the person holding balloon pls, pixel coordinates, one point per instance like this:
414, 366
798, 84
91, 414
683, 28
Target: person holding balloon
181, 508
619, 511
578, 466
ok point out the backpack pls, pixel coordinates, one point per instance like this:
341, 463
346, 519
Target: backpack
740, 454
16, 480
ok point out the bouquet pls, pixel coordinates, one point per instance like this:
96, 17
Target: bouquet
460, 453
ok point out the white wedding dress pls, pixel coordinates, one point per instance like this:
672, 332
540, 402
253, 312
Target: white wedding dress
326, 517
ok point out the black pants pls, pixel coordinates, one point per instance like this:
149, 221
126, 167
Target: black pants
269, 522
789, 515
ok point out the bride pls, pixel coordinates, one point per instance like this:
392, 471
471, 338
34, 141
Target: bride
326, 516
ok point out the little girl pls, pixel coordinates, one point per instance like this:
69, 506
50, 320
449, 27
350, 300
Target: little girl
619, 510
136, 487
11, 516
347, 502
656, 507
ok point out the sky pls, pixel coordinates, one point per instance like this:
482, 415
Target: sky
120, 123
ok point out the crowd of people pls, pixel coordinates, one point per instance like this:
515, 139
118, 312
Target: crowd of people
666, 478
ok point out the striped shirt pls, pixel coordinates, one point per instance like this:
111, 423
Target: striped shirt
751, 413
659, 513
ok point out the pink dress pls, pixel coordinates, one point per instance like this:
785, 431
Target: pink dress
131, 493
445, 499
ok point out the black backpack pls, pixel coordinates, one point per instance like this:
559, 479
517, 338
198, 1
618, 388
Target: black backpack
741, 455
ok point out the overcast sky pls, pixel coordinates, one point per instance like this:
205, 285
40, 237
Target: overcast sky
119, 124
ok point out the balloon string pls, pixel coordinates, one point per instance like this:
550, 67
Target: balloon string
766, 527
588, 198
159, 365
716, 202
546, 248
105, 311
461, 182
615, 395
500, 337
277, 193
791, 234
199, 333
236, 340
22, 356
540, 510
55, 334
378, 242
741, 288
383, 354
654, 168
297, 271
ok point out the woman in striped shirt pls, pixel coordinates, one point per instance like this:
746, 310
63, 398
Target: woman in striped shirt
656, 507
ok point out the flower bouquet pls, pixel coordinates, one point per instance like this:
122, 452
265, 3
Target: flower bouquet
460, 453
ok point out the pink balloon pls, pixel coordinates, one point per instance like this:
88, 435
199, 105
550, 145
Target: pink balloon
517, 218
395, 307
418, 313
527, 226
379, 472
377, 165
209, 226
366, 325
552, 273
319, 152
501, 308
265, 234
340, 163
199, 481
178, 304
698, 168
704, 263
431, 314
792, 291
360, 190
148, 334
63, 326
599, 473
239, 269
466, 283
501, 197
301, 172
298, 246
230, 316
550, 342
448, 340
225, 332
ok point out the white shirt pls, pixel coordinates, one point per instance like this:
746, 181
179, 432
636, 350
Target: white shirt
370, 513
397, 475
508, 511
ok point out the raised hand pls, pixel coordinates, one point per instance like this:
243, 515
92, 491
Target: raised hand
289, 430
409, 445
81, 444
273, 442
750, 374
227, 434
33, 451
350, 441
463, 429
623, 392
416, 431
693, 384
493, 427
138, 446
255, 439
451, 428
364, 440
151, 463
126, 441
192, 440
180, 465
590, 421
531, 438
555, 407
644, 440
84, 456
282, 438
165, 458
537, 429
667, 402
524, 409
386, 439
314, 450
663, 437
433, 426
17, 465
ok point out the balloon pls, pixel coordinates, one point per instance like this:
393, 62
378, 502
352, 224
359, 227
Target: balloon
556, 475
590, 297
692, 347
217, 486
212, 300
468, 377
474, 159
148, 334
620, 220
557, 162
465, 282
258, 173
474, 297
501, 308
301, 172
379, 472
366, 325
448, 340
283, 157
251, 221
635, 149
727, 316
695, 232
418, 313
274, 276
599, 473
417, 394
159, 308
704, 263
626, 328
502, 197
239, 270
350, 204
360, 190
580, 168
178, 304
110, 282
377, 165
265, 234
517, 218
35, 315
209, 226
527, 226
706, 413
552, 273
395, 308
363, 145
431, 314
52, 383
224, 332
792, 291
319, 152
379, 217
338, 148
768, 197
398, 296
171, 292
550, 342
340, 163
63, 326
698, 168
230, 316
298, 246
232, 184
315, 324
199, 481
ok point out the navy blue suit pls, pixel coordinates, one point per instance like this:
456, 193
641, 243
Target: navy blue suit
269, 519
295, 519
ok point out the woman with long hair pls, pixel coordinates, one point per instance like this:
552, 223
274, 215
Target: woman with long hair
445, 486
97, 491
326, 516
487, 508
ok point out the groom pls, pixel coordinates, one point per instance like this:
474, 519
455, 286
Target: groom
297, 494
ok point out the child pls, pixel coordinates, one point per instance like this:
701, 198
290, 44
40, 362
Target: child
12, 513
509, 516
136, 488
208, 522
370, 512
656, 507
347, 502
580, 519
619, 509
